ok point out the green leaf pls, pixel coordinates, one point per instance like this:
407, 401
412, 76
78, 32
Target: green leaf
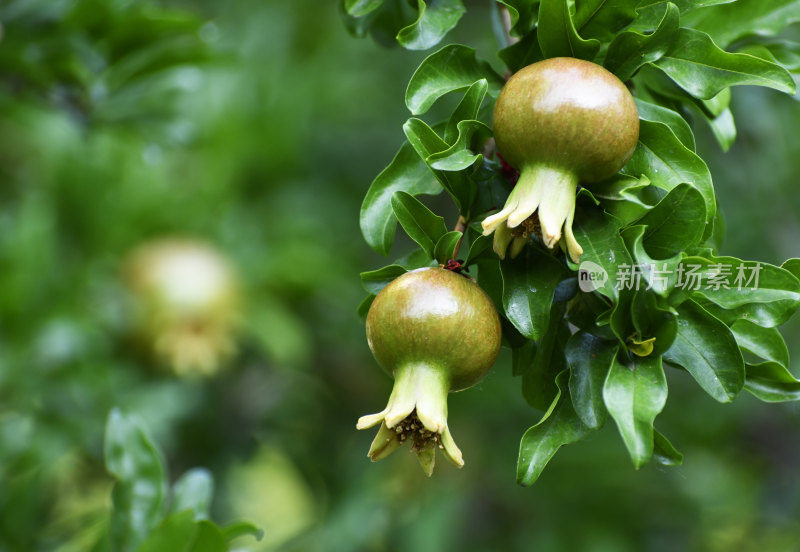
181, 533
630, 49
478, 246
407, 173
138, 495
723, 127
360, 8
706, 348
729, 23
459, 156
598, 235
529, 284
241, 529
363, 307
792, 266
602, 19
375, 280
557, 34
677, 124
522, 53
659, 275
418, 221
446, 245
467, 109
559, 426
701, 68
523, 15
653, 318
193, 491
452, 68
634, 395
676, 223
668, 163
539, 377
427, 143
771, 382
589, 359
436, 18
175, 533
766, 343
663, 451
625, 197
760, 292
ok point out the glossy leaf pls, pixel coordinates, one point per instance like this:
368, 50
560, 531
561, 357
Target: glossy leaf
664, 452
479, 245
659, 275
766, 343
589, 359
760, 292
558, 427
529, 284
635, 393
598, 235
557, 34
701, 68
418, 221
522, 53
443, 251
772, 382
625, 197
602, 19
706, 348
745, 17
467, 109
452, 68
375, 280
793, 266
631, 49
676, 223
435, 19
427, 143
539, 377
459, 156
677, 124
138, 495
407, 173
668, 163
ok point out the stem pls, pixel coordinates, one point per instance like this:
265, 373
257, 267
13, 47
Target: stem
461, 226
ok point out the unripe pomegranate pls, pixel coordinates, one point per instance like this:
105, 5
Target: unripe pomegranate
434, 331
184, 298
560, 122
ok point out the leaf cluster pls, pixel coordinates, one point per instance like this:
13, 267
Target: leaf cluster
583, 355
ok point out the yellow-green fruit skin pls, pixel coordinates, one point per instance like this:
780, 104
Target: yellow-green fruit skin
568, 114
437, 318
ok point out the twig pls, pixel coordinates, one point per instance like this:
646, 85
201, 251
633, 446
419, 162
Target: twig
461, 226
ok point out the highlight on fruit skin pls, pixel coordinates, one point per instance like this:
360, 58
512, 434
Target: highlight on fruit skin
560, 122
184, 298
434, 331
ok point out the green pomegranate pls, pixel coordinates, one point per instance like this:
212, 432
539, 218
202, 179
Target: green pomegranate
434, 331
560, 122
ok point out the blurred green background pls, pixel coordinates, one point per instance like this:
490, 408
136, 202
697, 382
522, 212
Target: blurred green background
257, 126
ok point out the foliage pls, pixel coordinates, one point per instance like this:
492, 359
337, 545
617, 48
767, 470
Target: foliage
585, 354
